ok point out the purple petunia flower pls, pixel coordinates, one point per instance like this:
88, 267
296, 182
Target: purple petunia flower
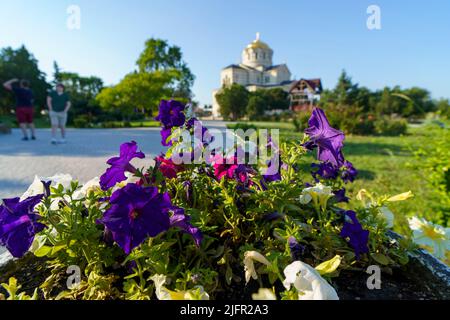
19, 224
358, 237
201, 133
171, 113
273, 172
272, 177
165, 134
191, 123
349, 172
272, 216
326, 170
136, 213
180, 220
243, 173
340, 196
328, 140
119, 165
297, 250
46, 185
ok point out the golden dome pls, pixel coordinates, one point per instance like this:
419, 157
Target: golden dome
258, 44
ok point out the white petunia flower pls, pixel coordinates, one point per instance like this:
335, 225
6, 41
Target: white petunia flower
319, 194
34, 189
308, 282
431, 235
91, 185
401, 197
37, 187
162, 293
305, 198
264, 294
131, 178
197, 293
249, 266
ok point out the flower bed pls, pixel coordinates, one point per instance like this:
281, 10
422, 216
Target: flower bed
203, 224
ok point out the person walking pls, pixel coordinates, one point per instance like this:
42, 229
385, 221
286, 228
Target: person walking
58, 103
24, 105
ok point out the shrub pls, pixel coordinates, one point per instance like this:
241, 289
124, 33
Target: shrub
443, 107
111, 124
81, 121
243, 126
433, 165
300, 121
364, 126
350, 119
390, 127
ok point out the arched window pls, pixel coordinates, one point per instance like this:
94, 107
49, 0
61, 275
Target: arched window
256, 55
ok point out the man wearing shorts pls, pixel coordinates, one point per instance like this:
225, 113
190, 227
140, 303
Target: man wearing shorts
58, 105
24, 105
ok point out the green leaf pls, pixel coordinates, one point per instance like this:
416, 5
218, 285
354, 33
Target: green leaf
43, 251
380, 258
55, 249
228, 275
293, 207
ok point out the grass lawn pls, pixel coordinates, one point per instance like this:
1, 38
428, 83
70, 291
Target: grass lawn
386, 167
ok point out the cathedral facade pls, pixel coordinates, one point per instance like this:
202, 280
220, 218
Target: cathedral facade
256, 71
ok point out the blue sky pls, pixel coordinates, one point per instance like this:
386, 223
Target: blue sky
315, 38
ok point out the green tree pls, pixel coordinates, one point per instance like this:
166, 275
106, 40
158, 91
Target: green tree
345, 91
276, 99
233, 101
20, 63
443, 108
420, 103
159, 56
256, 106
82, 91
135, 93
161, 73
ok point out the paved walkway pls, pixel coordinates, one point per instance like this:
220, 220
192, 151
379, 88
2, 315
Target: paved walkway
83, 156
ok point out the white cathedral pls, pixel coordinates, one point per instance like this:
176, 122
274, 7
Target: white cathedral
256, 71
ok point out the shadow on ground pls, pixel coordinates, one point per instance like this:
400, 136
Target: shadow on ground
366, 175
13, 184
374, 148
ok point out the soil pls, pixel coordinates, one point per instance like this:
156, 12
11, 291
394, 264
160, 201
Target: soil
412, 282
